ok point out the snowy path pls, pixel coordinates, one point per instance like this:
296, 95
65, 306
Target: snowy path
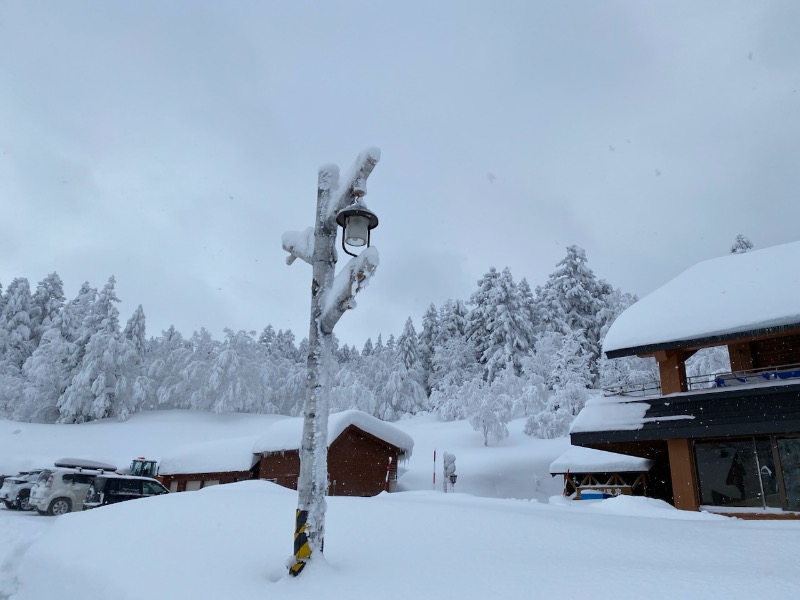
18, 530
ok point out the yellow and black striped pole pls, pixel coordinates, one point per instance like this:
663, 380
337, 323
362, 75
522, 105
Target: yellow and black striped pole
302, 551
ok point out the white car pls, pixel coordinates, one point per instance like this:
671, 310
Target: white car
16, 490
64, 490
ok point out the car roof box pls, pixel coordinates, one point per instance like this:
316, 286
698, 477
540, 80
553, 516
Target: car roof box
81, 463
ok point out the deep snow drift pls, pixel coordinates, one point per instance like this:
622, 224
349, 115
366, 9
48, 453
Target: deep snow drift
232, 541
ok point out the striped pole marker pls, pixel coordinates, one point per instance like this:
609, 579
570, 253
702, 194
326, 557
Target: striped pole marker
302, 551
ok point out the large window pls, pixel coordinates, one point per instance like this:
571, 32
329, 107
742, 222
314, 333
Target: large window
743, 472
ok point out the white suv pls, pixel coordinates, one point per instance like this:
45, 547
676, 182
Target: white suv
65, 488
17, 489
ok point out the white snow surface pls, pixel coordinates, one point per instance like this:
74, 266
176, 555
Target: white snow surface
588, 460
610, 413
287, 433
227, 454
732, 293
498, 536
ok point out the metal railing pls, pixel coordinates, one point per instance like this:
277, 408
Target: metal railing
720, 379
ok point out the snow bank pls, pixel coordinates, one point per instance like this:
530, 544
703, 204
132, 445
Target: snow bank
232, 541
737, 292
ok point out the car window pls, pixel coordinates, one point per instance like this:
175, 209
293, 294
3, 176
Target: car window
67, 478
129, 486
83, 478
152, 488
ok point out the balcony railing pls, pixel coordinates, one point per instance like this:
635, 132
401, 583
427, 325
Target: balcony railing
711, 381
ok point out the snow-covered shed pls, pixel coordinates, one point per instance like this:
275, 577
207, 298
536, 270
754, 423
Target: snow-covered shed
732, 445
588, 472
363, 453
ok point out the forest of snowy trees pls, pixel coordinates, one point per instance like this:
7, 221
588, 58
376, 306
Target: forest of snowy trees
507, 351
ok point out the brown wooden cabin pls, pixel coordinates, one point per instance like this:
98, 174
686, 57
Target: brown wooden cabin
731, 445
358, 464
363, 456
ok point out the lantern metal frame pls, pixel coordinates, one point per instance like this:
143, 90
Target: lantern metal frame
356, 209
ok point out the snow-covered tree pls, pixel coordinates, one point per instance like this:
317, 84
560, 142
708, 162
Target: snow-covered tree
488, 411
46, 305
498, 325
572, 299
741, 244
97, 389
16, 335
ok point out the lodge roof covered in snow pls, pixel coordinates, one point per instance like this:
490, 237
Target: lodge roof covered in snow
724, 298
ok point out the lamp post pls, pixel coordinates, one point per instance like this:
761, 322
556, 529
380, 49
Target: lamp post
331, 295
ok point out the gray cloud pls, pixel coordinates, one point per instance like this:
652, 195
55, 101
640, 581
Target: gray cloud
172, 145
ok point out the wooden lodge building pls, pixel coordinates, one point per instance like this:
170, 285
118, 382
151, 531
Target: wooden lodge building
727, 443
363, 457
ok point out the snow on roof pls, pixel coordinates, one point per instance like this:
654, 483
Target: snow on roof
588, 460
610, 413
287, 434
730, 294
284, 433
215, 456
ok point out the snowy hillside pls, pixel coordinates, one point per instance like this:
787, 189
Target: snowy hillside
497, 537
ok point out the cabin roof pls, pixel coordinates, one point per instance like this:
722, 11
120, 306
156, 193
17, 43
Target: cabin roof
283, 433
588, 460
287, 434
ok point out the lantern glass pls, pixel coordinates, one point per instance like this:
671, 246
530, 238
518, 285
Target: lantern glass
357, 230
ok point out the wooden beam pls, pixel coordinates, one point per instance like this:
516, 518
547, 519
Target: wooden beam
672, 370
684, 477
741, 356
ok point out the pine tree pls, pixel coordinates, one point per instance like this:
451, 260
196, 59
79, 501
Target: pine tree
96, 390
428, 339
407, 349
572, 299
16, 341
46, 305
498, 325
741, 245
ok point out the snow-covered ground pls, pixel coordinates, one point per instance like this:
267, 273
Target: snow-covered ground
497, 537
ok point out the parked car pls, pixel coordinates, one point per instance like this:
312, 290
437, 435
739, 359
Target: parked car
65, 487
16, 490
112, 488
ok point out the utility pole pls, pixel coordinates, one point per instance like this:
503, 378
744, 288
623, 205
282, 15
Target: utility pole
331, 295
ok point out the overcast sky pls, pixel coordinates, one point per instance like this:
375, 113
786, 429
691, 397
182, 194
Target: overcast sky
172, 143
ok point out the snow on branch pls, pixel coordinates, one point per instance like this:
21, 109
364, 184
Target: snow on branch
355, 181
299, 244
353, 277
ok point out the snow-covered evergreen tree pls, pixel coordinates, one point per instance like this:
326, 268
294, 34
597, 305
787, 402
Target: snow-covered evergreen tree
97, 389
572, 299
428, 338
741, 244
16, 335
46, 305
498, 324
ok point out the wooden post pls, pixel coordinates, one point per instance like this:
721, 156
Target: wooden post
741, 356
684, 475
325, 313
672, 370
